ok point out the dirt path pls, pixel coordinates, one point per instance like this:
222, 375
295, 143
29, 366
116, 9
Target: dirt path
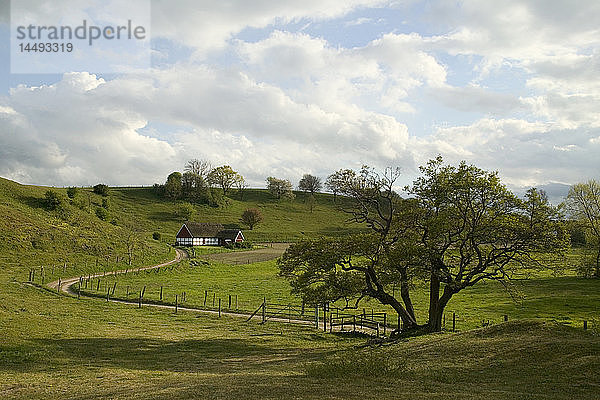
66, 285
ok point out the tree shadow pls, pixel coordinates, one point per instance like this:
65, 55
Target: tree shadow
209, 355
33, 202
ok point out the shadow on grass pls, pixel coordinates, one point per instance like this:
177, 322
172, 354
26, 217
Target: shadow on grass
209, 355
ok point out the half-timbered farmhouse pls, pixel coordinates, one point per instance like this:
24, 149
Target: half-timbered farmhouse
206, 234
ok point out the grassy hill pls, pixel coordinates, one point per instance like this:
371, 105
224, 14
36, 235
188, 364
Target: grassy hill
54, 346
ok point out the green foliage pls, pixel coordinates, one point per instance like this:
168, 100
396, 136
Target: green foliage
310, 183
583, 202
280, 188
72, 192
186, 211
462, 226
102, 213
173, 186
224, 177
105, 203
101, 189
156, 236
53, 200
251, 217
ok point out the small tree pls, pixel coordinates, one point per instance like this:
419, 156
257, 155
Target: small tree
240, 185
224, 177
583, 202
280, 188
251, 217
72, 192
101, 189
310, 183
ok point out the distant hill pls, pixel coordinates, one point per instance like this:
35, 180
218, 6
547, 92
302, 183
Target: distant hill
33, 232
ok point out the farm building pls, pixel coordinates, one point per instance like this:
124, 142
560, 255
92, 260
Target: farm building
206, 234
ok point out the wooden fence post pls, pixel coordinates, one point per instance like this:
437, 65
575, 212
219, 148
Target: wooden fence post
236, 303
453, 322
219, 307
384, 323
98, 286
324, 318
585, 325
59, 283
143, 291
316, 317
354, 323
229, 306
505, 318
140, 300
176, 304
161, 288
214, 297
127, 295
378, 329
205, 295
114, 288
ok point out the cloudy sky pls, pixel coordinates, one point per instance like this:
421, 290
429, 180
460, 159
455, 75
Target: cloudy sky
289, 87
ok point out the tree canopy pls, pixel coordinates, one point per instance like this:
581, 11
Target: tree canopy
459, 226
310, 183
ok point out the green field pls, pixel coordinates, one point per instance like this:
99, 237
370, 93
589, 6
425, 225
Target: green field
55, 346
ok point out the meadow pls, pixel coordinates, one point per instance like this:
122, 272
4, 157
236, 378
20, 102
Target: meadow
56, 346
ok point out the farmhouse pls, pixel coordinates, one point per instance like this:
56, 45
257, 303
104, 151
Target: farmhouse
206, 234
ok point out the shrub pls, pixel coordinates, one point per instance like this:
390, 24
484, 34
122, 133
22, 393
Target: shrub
52, 200
101, 189
105, 204
102, 213
72, 192
186, 211
156, 236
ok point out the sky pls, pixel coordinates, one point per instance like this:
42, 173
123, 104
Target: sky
283, 88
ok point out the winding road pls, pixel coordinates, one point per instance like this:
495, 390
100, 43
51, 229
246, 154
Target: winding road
66, 286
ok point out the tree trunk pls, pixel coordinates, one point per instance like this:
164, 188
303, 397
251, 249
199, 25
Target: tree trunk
434, 299
437, 304
597, 273
405, 294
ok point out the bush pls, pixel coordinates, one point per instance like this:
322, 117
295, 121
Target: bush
185, 211
156, 236
102, 213
52, 200
101, 189
72, 192
105, 204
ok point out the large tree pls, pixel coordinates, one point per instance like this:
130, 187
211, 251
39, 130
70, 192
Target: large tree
583, 202
460, 226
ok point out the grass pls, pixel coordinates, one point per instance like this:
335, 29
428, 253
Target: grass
54, 346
